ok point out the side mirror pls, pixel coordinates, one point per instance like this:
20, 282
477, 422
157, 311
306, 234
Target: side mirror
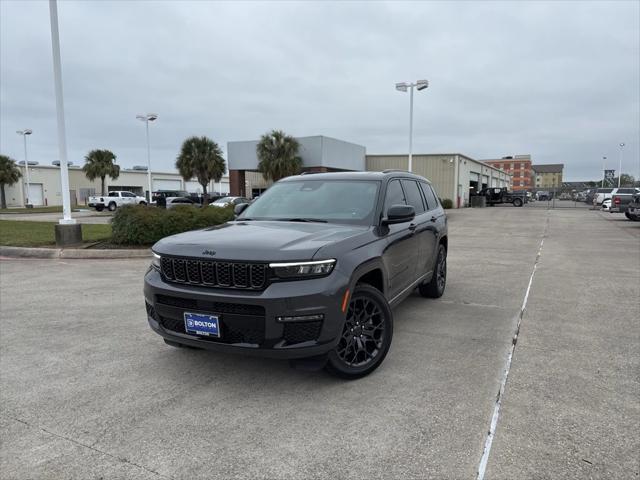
238, 209
399, 214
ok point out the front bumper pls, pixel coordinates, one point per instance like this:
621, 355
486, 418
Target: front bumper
248, 318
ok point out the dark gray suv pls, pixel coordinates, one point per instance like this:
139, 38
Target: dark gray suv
310, 270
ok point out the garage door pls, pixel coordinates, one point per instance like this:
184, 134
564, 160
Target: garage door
35, 194
193, 187
473, 177
167, 185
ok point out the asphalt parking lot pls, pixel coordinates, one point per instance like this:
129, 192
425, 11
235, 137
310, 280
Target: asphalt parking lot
88, 391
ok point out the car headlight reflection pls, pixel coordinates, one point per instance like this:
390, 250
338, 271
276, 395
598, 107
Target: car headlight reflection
155, 261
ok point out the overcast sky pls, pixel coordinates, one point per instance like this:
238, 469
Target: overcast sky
560, 81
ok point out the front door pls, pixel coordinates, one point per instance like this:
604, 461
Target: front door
401, 252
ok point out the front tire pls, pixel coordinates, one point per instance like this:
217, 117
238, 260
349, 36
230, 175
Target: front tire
366, 335
99, 208
112, 207
517, 202
142, 203
437, 284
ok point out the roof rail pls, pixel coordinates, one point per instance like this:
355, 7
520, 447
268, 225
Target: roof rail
389, 170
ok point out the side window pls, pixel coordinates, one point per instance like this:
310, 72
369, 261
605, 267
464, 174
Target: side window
414, 198
113, 194
432, 202
395, 195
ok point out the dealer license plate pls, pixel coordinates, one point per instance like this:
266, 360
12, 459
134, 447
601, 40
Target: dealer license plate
201, 324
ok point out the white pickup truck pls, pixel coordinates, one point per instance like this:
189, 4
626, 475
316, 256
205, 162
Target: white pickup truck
114, 200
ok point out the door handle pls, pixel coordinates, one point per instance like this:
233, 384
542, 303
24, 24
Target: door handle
412, 226
433, 219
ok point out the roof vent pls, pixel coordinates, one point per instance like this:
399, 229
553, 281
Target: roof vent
57, 163
140, 168
31, 162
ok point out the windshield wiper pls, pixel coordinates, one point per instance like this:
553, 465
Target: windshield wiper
315, 220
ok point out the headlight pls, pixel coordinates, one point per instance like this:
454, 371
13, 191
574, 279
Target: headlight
303, 269
155, 262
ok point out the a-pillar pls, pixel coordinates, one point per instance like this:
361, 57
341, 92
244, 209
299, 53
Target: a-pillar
237, 183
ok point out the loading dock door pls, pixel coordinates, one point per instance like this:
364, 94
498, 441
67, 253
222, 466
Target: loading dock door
167, 185
36, 197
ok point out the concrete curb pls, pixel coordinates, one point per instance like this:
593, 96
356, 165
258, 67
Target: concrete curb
72, 253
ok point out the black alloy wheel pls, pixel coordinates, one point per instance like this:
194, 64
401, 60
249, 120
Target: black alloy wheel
435, 287
366, 335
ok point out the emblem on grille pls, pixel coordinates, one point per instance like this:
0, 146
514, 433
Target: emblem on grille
211, 253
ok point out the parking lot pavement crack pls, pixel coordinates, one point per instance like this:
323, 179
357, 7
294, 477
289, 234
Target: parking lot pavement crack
482, 467
80, 444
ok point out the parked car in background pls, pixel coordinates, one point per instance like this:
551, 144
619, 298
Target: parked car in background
225, 201
633, 209
311, 271
543, 196
621, 199
604, 193
172, 202
114, 200
495, 196
606, 205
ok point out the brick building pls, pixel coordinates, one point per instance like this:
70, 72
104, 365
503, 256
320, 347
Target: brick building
519, 166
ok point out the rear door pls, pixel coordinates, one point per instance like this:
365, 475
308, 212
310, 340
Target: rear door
437, 223
402, 251
424, 232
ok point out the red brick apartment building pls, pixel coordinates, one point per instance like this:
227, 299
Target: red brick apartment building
519, 166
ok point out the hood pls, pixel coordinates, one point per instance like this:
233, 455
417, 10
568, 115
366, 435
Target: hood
257, 240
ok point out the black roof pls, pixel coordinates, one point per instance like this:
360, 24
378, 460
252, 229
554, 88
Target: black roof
354, 176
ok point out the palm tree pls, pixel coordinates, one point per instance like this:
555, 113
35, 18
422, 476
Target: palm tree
201, 157
100, 164
278, 155
9, 174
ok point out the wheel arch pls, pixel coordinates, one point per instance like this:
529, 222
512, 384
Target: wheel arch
371, 273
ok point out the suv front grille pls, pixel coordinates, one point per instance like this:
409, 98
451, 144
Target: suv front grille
214, 274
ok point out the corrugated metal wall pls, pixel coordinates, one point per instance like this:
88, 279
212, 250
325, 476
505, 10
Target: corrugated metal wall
438, 169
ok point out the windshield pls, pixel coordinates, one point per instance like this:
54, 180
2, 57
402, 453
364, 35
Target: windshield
224, 200
339, 201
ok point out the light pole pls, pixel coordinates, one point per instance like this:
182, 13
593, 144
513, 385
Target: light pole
24, 133
149, 117
604, 166
403, 87
620, 171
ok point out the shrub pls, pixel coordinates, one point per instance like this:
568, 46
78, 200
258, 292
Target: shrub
446, 203
142, 225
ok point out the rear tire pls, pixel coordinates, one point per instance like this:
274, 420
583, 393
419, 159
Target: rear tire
112, 206
517, 202
142, 203
366, 335
435, 287
99, 208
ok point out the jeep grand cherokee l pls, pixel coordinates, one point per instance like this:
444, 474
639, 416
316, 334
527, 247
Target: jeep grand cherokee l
310, 269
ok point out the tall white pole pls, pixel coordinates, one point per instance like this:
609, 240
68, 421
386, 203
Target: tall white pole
620, 170
26, 169
148, 160
604, 166
62, 141
411, 129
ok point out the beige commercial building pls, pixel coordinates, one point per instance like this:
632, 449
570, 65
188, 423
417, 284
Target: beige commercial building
44, 185
455, 176
548, 175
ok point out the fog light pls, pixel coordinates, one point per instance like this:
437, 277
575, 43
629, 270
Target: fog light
301, 318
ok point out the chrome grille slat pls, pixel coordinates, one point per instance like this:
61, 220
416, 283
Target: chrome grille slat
240, 275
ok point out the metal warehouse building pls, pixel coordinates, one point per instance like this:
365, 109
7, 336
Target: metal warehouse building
44, 185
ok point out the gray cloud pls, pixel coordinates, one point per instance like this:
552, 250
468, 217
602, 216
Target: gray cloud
558, 80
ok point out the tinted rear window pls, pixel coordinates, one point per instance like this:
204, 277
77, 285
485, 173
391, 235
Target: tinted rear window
432, 201
412, 191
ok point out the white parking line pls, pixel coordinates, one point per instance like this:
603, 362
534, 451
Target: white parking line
482, 467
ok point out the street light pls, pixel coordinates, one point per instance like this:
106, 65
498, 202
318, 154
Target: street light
149, 117
604, 173
403, 87
24, 133
620, 171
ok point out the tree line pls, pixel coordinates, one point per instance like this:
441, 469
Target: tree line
199, 157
